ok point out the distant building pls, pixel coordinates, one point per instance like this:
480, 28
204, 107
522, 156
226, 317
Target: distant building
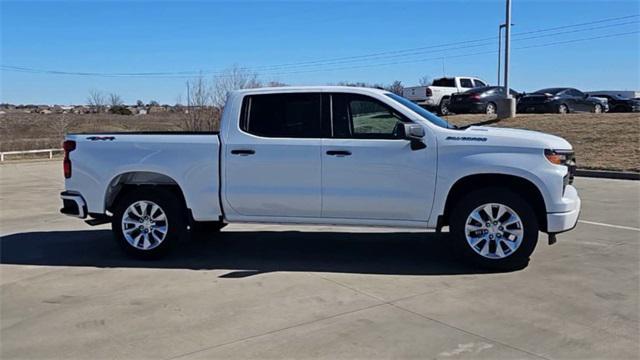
157, 109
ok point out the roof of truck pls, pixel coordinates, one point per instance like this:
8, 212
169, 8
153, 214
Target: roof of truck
322, 88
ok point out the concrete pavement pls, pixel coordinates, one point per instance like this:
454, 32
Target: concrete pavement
66, 291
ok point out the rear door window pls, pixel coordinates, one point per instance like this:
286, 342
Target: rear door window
444, 82
282, 115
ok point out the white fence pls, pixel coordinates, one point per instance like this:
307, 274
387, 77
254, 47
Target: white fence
49, 151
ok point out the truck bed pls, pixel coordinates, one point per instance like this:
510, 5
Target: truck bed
101, 161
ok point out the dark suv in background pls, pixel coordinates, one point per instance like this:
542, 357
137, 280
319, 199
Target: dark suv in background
619, 103
559, 100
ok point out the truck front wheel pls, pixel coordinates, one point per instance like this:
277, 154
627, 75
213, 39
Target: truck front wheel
147, 222
494, 228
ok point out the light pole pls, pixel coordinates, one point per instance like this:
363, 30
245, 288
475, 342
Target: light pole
508, 108
507, 46
502, 26
499, 50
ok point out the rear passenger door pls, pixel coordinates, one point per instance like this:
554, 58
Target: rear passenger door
272, 161
369, 171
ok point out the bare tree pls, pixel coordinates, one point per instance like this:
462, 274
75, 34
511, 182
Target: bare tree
58, 124
96, 100
425, 80
115, 100
231, 79
396, 87
201, 114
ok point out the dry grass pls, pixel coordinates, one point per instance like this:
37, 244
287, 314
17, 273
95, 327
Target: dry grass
20, 131
602, 141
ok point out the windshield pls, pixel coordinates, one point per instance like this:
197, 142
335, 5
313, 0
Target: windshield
421, 111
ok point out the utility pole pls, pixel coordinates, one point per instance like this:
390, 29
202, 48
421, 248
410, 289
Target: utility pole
507, 46
499, 51
508, 105
502, 26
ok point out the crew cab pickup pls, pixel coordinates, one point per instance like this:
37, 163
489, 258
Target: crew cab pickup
327, 155
436, 96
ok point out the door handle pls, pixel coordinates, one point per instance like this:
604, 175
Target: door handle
243, 152
338, 153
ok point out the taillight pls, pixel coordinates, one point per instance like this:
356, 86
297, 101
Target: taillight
428, 92
68, 146
475, 96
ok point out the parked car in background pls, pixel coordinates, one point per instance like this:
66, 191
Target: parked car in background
604, 103
558, 100
619, 103
436, 96
482, 99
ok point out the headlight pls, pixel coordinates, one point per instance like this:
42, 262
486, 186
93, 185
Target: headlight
563, 157
558, 157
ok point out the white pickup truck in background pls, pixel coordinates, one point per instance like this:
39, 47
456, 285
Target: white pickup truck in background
327, 155
436, 96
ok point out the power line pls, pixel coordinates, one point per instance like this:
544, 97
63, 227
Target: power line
352, 59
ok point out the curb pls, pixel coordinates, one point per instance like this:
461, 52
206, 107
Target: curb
622, 175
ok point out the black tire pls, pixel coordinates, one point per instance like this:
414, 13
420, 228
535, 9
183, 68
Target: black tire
491, 108
519, 258
563, 109
443, 109
173, 209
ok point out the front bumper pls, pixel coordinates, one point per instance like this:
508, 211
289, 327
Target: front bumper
73, 205
567, 220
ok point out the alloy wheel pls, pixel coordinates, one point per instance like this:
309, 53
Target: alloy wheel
144, 225
494, 231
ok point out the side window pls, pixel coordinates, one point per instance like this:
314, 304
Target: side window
466, 83
444, 82
574, 92
479, 83
362, 117
282, 115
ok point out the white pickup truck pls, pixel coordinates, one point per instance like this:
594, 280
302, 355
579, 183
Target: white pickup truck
327, 155
437, 95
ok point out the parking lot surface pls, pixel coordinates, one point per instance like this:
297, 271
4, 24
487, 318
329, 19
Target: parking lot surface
66, 290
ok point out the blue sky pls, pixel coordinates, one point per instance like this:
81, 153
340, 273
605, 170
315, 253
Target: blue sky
171, 37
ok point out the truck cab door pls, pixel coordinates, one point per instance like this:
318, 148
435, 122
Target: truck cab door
271, 163
368, 170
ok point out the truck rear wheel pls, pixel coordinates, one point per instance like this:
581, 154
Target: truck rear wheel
147, 222
494, 228
444, 107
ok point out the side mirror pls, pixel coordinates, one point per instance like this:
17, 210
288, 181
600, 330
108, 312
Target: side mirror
586, 96
414, 133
